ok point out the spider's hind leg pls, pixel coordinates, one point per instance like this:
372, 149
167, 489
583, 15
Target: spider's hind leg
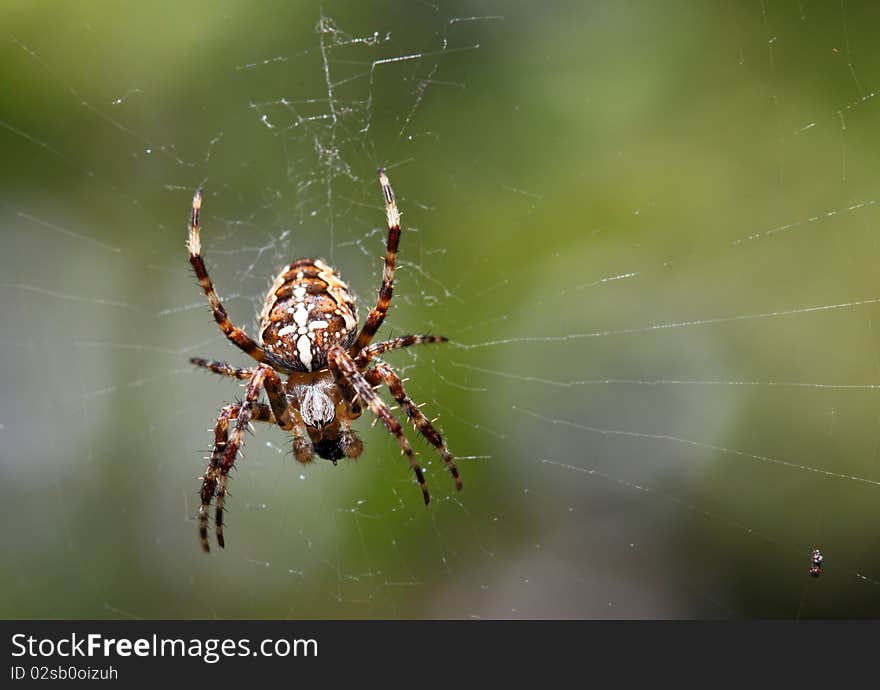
194, 243
383, 302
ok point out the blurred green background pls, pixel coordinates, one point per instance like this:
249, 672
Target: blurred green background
649, 229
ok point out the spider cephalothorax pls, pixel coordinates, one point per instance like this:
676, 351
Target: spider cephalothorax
308, 332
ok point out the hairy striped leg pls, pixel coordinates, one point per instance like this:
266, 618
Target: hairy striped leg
348, 377
377, 314
272, 383
376, 349
260, 412
194, 243
286, 417
226, 445
223, 368
264, 377
382, 373
349, 441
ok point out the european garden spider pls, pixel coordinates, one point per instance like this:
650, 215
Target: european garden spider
308, 332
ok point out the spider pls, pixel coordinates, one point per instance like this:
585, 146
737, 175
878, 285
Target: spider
816, 563
308, 333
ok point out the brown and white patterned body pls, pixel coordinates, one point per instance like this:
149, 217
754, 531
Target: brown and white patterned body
309, 332
308, 310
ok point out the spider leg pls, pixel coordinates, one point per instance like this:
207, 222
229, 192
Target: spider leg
194, 243
350, 442
274, 390
264, 377
277, 397
288, 418
348, 377
377, 314
260, 412
382, 373
303, 450
272, 383
223, 368
377, 349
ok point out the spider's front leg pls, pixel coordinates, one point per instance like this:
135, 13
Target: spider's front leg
348, 378
260, 413
226, 445
382, 373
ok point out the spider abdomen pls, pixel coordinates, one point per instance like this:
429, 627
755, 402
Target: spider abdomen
307, 311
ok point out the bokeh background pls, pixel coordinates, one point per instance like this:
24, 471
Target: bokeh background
649, 229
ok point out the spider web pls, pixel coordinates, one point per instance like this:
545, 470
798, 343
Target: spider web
648, 232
